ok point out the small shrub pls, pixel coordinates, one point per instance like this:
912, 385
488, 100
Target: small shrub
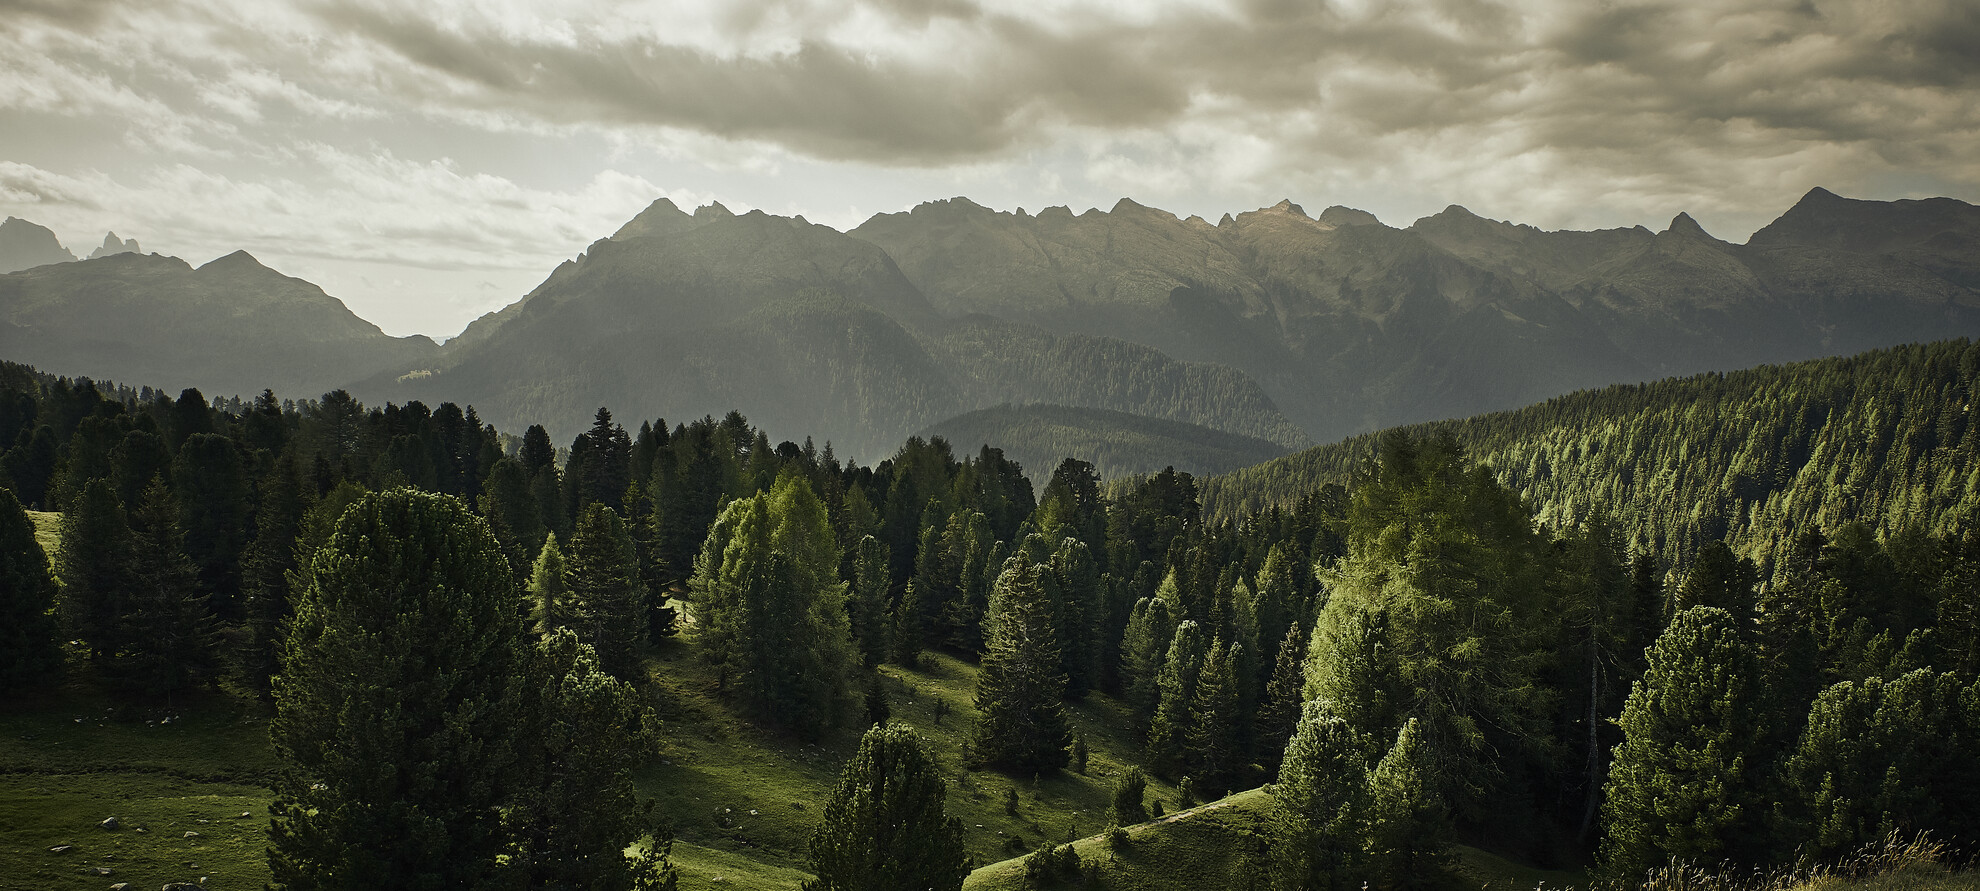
1186, 794
1079, 753
1011, 802
1050, 864
1117, 838
1155, 809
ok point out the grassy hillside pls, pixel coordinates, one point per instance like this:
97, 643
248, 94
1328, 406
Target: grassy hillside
1223, 844
744, 804
1116, 443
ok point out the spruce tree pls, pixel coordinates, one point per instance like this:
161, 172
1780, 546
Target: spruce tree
1144, 650
94, 561
170, 639
1409, 829
403, 682
884, 828
29, 650
1685, 780
607, 602
1285, 696
1168, 732
266, 568
1212, 747
1020, 694
1322, 795
210, 482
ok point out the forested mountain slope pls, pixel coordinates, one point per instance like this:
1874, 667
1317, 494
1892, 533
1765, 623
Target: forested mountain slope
232, 326
1116, 443
1885, 437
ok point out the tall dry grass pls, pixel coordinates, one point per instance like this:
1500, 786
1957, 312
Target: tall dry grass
1893, 863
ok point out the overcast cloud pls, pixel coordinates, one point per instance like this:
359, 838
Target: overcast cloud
430, 161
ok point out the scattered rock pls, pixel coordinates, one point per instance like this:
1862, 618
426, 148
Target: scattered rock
246, 814
179, 886
61, 849
191, 834
101, 871
121, 886
110, 823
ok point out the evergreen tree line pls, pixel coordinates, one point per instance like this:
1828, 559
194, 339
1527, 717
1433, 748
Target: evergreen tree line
1751, 458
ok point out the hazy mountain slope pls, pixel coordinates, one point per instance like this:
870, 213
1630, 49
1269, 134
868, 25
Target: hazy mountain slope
802, 328
1116, 443
1885, 437
232, 326
1350, 325
24, 245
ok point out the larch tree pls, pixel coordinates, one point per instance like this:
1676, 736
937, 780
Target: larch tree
266, 568
1168, 732
1285, 695
773, 611
884, 827
550, 587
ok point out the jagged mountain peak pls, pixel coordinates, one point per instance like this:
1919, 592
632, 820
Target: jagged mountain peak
114, 245
713, 210
1684, 226
25, 245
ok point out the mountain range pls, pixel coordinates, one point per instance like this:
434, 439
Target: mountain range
1273, 325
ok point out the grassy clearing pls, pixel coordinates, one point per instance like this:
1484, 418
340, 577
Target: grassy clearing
47, 531
72, 756
729, 787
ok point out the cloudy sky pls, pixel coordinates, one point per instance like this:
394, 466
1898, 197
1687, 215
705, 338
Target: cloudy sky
429, 161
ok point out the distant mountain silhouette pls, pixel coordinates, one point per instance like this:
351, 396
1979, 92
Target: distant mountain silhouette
112, 245
232, 326
1272, 324
24, 245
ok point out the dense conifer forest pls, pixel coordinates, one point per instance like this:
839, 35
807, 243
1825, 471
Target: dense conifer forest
1742, 627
